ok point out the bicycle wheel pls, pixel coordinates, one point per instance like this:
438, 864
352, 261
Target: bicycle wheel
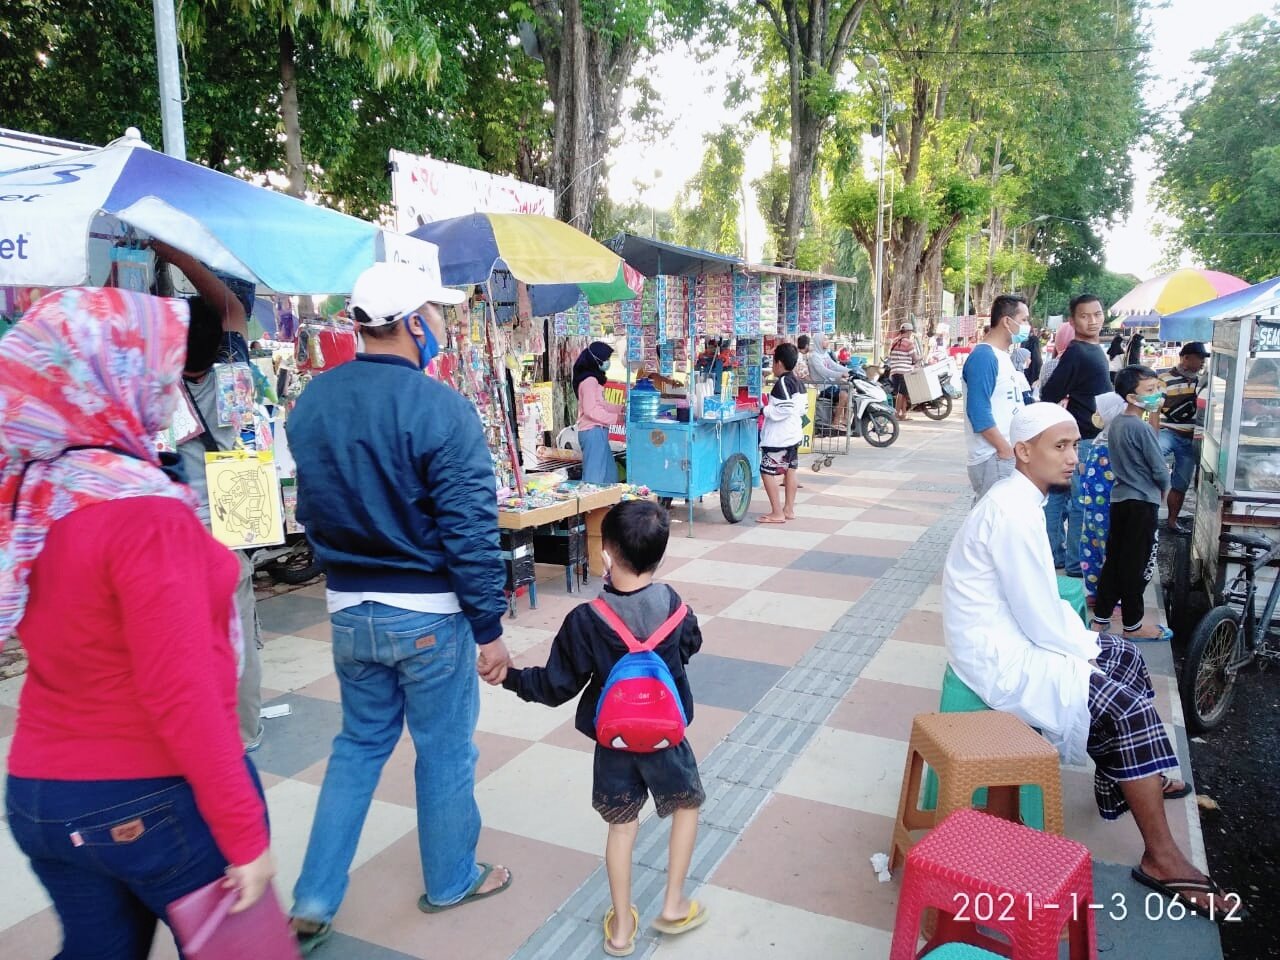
1207, 686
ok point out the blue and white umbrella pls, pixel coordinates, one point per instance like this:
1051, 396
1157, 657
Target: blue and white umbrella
48, 212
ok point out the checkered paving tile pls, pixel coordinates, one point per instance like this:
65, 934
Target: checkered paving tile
821, 641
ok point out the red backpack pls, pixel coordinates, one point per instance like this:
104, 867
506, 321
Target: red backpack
640, 709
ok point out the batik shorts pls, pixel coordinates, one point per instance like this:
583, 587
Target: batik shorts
776, 461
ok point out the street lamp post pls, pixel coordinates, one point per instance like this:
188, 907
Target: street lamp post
175, 143
966, 274
883, 76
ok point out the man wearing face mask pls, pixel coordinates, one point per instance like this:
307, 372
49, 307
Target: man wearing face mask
1083, 374
396, 491
991, 396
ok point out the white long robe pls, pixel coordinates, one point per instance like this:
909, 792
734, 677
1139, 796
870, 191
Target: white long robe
1009, 636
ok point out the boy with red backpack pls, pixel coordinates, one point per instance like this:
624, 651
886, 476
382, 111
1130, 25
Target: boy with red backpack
628, 650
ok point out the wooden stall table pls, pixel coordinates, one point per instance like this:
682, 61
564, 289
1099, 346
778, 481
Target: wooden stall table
516, 531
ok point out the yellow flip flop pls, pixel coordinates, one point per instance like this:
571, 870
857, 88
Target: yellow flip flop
630, 948
696, 918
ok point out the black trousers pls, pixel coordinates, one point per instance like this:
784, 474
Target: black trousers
1130, 563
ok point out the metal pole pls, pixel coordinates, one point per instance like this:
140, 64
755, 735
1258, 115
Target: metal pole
175, 144
879, 268
966, 274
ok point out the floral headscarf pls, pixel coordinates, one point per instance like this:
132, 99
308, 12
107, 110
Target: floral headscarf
87, 378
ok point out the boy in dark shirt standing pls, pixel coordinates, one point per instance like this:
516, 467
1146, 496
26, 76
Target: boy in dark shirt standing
1142, 482
1082, 374
582, 656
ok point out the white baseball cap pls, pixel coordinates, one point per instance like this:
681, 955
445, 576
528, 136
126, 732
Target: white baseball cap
388, 291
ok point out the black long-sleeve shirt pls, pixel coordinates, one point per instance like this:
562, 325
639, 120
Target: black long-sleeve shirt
1081, 376
586, 649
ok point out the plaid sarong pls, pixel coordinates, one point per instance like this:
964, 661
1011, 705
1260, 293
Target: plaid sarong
1126, 738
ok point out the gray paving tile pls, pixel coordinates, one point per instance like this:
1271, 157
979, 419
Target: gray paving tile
295, 742
849, 564
291, 611
731, 683
342, 947
774, 733
1146, 932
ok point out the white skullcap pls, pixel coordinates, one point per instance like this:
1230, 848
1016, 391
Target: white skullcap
1034, 419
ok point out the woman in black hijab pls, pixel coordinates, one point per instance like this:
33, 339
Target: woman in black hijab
1133, 355
1115, 356
595, 414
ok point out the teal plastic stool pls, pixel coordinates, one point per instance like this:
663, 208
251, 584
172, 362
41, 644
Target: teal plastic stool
958, 698
960, 951
1071, 589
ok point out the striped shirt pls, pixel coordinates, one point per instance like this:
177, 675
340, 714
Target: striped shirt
1179, 410
904, 355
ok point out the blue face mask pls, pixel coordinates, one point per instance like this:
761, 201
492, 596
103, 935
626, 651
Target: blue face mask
1151, 401
428, 345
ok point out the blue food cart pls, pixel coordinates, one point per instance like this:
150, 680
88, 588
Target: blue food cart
696, 458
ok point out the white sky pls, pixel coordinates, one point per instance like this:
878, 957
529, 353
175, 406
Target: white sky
692, 96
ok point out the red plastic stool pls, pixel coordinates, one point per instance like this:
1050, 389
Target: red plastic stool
982, 873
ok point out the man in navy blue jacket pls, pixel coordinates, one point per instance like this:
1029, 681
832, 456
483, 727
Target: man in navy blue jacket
397, 494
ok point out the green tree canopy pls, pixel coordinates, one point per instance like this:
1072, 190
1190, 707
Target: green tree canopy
1221, 161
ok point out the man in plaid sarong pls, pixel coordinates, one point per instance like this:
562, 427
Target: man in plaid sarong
1024, 651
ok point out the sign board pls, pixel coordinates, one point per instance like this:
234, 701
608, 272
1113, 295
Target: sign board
1267, 336
811, 415
424, 190
616, 392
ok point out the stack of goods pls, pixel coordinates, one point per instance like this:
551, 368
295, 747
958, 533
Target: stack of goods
769, 306
642, 327
713, 302
473, 376
749, 358
746, 305
671, 303
808, 306
576, 321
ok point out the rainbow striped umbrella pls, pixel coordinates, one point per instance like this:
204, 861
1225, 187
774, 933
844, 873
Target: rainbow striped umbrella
1171, 292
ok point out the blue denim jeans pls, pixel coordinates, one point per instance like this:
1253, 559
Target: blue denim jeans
1075, 514
395, 666
109, 891
1055, 519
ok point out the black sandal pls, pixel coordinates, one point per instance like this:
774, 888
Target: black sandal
1185, 790
1177, 891
308, 942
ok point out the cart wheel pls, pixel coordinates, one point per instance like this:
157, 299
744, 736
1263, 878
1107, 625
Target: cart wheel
829, 461
735, 488
817, 465
879, 429
938, 409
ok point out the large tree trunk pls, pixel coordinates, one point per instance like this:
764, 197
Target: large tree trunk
805, 132
586, 69
295, 169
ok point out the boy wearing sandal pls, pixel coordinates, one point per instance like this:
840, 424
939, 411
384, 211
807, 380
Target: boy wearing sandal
628, 650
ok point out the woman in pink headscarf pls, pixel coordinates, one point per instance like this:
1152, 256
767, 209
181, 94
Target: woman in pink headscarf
1061, 340
128, 786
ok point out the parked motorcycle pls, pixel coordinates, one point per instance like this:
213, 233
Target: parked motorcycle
873, 411
292, 562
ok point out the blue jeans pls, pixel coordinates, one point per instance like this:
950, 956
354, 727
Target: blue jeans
1055, 518
1075, 514
109, 891
395, 666
1182, 448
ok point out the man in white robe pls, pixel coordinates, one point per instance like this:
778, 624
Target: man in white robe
1023, 650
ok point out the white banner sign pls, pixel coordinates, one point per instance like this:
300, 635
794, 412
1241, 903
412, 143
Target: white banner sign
425, 190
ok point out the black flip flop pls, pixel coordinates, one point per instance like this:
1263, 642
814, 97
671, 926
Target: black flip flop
308, 942
1177, 794
426, 906
1178, 889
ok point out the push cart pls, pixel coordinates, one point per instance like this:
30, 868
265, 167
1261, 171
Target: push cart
832, 423
688, 460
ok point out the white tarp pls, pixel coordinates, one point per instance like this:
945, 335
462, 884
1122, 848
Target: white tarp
425, 190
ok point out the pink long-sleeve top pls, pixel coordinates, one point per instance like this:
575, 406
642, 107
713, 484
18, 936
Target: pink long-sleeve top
593, 409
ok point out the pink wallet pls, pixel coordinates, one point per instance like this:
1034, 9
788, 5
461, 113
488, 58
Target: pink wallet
206, 929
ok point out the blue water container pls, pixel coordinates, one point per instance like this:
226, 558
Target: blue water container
645, 401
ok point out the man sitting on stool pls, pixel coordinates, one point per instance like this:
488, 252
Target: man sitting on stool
1023, 650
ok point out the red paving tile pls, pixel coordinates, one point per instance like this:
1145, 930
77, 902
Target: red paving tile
703, 599
920, 626
864, 546
882, 709
381, 905
814, 856
761, 642
738, 553
326, 688
319, 631
828, 586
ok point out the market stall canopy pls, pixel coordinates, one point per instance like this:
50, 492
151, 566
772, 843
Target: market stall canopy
655, 258
535, 249
1171, 292
276, 241
18, 149
1196, 323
